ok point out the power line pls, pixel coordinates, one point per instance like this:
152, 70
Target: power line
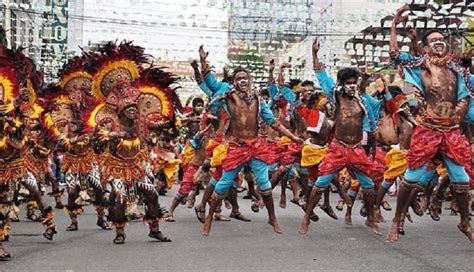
155, 24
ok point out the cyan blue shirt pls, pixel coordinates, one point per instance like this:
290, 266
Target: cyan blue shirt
203, 86
470, 112
290, 96
196, 142
272, 91
215, 87
412, 75
371, 105
220, 89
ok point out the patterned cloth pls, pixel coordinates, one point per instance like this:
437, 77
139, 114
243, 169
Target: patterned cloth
396, 161
12, 170
188, 184
312, 155
289, 152
241, 153
427, 142
340, 156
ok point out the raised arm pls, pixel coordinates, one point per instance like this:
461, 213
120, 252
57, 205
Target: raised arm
201, 83
325, 81
203, 59
216, 87
415, 50
287, 93
272, 87
271, 69
398, 18
281, 77
197, 73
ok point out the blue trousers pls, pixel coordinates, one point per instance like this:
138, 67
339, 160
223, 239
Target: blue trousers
259, 169
457, 173
365, 182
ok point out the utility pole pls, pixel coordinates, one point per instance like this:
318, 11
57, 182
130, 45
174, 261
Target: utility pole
7, 21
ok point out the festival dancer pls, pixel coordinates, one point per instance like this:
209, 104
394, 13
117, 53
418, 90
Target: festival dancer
165, 162
289, 169
14, 170
284, 150
244, 109
394, 132
434, 204
131, 93
218, 147
65, 107
190, 166
442, 89
312, 118
191, 121
28, 112
356, 114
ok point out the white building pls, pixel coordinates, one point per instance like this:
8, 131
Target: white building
22, 22
335, 22
354, 16
168, 30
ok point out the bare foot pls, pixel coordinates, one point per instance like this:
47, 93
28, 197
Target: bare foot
303, 229
378, 216
261, 204
206, 228
374, 227
348, 220
276, 227
283, 203
393, 233
467, 231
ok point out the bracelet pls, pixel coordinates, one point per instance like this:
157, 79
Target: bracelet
319, 66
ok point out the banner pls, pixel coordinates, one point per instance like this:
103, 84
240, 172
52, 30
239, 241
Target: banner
59, 25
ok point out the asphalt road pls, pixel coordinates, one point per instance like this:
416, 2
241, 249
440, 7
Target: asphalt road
329, 245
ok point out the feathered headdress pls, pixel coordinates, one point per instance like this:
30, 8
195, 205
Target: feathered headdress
124, 76
115, 65
31, 80
159, 83
58, 110
73, 76
8, 81
8, 88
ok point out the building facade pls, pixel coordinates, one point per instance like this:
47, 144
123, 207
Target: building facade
336, 21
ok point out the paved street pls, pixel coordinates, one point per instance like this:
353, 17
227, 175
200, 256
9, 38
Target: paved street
330, 245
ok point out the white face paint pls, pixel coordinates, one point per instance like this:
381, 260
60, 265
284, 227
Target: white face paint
438, 48
436, 44
350, 87
241, 81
